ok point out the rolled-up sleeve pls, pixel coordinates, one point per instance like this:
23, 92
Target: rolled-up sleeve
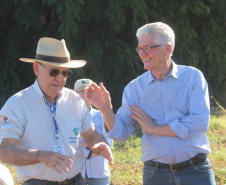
10, 124
197, 119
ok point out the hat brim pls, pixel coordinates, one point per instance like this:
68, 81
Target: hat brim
71, 64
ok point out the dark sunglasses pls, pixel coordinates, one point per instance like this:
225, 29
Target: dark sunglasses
55, 72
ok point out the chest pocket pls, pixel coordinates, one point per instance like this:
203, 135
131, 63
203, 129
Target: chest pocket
73, 132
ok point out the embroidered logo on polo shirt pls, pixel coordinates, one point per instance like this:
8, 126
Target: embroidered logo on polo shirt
6, 120
76, 130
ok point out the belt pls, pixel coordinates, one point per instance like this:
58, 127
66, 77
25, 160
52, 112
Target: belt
65, 182
198, 159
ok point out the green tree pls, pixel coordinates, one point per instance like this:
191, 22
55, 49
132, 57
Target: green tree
103, 33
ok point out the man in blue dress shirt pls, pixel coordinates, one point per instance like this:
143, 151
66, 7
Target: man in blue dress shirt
170, 102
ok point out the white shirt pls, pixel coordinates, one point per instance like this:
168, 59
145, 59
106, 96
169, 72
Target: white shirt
181, 100
96, 166
27, 117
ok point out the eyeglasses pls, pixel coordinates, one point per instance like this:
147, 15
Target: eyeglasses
55, 72
146, 49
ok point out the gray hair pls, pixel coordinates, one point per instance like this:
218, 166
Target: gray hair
163, 33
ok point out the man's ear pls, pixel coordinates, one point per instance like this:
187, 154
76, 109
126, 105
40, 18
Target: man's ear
36, 68
169, 49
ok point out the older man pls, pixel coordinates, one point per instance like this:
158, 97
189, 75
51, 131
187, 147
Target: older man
41, 125
170, 102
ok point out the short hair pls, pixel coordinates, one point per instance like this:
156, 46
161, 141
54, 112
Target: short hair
164, 34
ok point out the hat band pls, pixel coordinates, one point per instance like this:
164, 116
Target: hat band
52, 59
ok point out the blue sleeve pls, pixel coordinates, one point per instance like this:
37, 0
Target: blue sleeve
124, 125
197, 120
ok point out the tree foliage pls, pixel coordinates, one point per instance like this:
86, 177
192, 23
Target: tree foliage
103, 33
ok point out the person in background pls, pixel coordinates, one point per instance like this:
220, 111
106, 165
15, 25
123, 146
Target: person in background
95, 170
40, 126
5, 176
170, 102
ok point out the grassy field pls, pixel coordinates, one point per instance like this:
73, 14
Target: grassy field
127, 168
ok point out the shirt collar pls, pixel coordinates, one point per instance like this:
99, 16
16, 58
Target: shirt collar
150, 77
174, 73
38, 90
91, 110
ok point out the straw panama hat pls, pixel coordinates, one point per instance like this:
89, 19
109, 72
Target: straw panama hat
82, 84
54, 52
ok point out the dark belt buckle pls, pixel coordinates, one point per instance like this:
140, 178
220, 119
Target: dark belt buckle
171, 167
64, 182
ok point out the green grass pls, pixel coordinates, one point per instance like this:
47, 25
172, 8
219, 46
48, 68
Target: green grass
127, 168
217, 138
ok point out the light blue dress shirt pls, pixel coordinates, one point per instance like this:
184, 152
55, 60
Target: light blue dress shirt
96, 166
180, 100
